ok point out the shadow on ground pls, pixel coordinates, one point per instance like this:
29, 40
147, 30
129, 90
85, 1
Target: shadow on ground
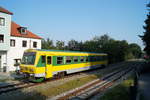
34, 95
22, 95
18, 94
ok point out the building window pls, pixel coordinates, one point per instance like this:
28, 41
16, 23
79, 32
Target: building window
34, 44
24, 43
1, 38
12, 43
23, 30
2, 21
17, 62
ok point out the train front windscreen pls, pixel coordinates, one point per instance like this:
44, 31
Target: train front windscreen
28, 58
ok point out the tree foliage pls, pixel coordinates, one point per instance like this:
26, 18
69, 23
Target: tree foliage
117, 50
135, 50
146, 36
60, 45
73, 45
47, 44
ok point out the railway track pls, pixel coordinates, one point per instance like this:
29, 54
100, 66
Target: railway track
107, 84
88, 91
13, 87
25, 84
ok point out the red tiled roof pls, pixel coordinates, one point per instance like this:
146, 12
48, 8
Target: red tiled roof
15, 32
5, 11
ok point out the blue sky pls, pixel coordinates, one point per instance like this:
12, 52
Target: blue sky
80, 19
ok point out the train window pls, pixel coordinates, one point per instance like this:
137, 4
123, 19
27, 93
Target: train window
86, 59
104, 57
49, 60
81, 58
68, 59
95, 58
75, 58
99, 58
59, 60
91, 58
43, 59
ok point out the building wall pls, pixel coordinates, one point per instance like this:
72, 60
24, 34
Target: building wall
6, 31
17, 51
8, 53
3, 62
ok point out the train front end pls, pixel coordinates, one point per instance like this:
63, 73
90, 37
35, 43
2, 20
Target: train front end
28, 66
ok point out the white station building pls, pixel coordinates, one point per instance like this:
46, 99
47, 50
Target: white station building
14, 40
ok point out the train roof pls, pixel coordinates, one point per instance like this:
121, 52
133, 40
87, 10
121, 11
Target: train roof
66, 51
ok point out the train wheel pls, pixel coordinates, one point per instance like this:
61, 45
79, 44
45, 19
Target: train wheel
60, 74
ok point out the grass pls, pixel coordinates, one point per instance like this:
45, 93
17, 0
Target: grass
53, 91
119, 92
4, 80
50, 91
41, 93
66, 86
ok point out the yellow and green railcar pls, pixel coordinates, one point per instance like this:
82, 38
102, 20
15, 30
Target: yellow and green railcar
50, 63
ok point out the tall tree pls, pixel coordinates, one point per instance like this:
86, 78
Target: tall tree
135, 50
73, 45
60, 45
146, 36
47, 44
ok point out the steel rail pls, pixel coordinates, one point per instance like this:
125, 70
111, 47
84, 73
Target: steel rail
103, 83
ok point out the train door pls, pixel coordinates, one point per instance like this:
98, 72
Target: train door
48, 66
